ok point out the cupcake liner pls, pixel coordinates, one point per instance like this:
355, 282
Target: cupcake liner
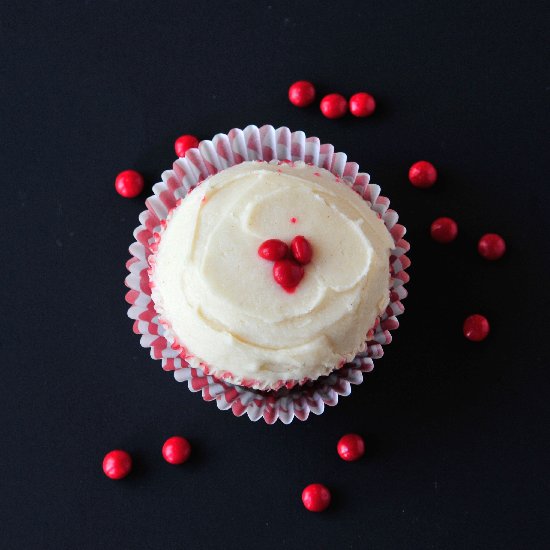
225, 150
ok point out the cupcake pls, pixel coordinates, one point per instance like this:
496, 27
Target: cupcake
274, 333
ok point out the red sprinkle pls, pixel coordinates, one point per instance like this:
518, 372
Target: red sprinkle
351, 447
129, 184
316, 497
117, 464
362, 104
301, 93
288, 274
184, 143
176, 450
444, 230
273, 250
476, 328
334, 106
301, 249
293, 220
491, 246
422, 174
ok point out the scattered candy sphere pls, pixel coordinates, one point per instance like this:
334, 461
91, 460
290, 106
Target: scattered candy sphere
129, 184
316, 497
176, 450
184, 143
117, 464
422, 174
301, 249
362, 104
287, 273
476, 328
491, 246
351, 447
301, 93
444, 230
273, 250
334, 106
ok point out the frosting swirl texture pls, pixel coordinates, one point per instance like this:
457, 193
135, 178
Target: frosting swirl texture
219, 298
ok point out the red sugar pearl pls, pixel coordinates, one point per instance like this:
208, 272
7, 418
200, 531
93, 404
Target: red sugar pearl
476, 328
444, 230
129, 184
316, 497
287, 273
273, 250
334, 106
117, 464
301, 249
491, 246
351, 447
301, 93
176, 450
184, 143
422, 174
362, 104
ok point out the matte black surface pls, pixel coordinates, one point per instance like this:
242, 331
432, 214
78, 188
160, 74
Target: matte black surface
457, 433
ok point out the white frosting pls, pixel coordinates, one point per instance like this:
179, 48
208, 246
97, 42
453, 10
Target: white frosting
219, 298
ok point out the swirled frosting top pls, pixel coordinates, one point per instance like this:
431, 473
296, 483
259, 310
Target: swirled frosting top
219, 299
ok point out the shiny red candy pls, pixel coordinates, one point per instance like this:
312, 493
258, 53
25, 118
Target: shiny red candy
117, 464
301, 93
273, 250
362, 104
334, 106
287, 273
491, 246
129, 184
444, 230
422, 174
176, 450
301, 249
476, 328
184, 143
316, 497
351, 447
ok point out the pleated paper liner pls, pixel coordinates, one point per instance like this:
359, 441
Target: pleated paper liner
294, 399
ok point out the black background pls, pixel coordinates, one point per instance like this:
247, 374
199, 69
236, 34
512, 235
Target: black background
456, 432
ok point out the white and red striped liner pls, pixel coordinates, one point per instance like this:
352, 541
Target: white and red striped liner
253, 143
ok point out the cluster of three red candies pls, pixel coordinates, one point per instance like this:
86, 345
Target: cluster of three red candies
361, 104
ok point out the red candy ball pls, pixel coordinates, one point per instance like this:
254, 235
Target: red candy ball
176, 450
362, 104
184, 143
334, 106
491, 246
117, 464
273, 250
301, 93
129, 184
287, 273
301, 249
422, 174
316, 497
476, 328
444, 230
351, 447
